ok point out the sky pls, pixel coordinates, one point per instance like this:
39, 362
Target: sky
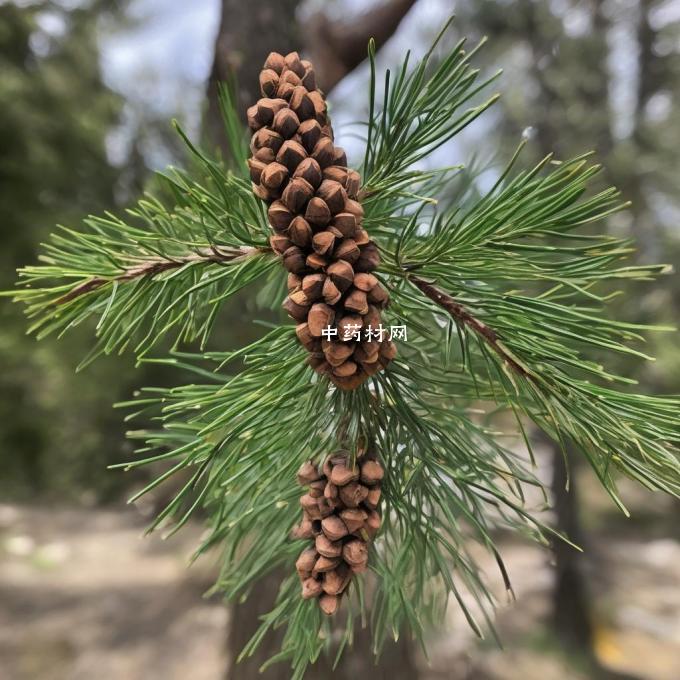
160, 57
160, 61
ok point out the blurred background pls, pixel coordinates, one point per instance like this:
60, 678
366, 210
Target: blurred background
88, 89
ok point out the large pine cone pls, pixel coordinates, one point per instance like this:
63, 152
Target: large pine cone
317, 224
340, 514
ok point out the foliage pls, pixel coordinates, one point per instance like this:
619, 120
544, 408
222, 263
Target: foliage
573, 96
501, 295
112, 260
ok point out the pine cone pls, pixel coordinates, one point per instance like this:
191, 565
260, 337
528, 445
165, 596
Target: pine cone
340, 531
317, 223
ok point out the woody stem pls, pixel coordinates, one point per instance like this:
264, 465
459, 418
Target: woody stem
157, 265
462, 316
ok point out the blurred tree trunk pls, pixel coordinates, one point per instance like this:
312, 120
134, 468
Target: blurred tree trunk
248, 32
246, 35
572, 616
338, 46
571, 611
646, 230
357, 662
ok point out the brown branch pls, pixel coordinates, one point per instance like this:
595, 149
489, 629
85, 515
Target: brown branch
153, 267
462, 315
338, 47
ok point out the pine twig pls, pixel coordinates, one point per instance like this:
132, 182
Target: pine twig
463, 316
153, 267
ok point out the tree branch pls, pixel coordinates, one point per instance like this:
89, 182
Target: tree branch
462, 316
338, 47
155, 266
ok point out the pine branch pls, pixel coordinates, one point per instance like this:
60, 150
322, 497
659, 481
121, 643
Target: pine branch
446, 484
503, 295
463, 316
166, 265
634, 433
154, 267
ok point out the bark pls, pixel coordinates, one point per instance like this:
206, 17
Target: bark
646, 230
396, 663
338, 47
572, 617
247, 33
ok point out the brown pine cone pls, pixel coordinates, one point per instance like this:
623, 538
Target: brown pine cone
317, 219
340, 518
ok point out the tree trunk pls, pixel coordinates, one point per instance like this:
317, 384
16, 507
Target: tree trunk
357, 662
248, 32
571, 615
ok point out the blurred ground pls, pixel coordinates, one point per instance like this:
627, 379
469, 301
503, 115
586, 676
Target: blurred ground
84, 596
640, 639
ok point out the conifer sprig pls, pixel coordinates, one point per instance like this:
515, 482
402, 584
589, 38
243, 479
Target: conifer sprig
168, 266
527, 289
446, 485
503, 294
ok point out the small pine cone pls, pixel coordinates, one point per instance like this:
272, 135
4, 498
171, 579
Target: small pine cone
371, 472
373, 498
336, 353
324, 506
315, 214
310, 506
354, 518
355, 553
303, 530
341, 474
328, 548
336, 581
320, 316
340, 519
353, 494
373, 523
324, 564
334, 528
